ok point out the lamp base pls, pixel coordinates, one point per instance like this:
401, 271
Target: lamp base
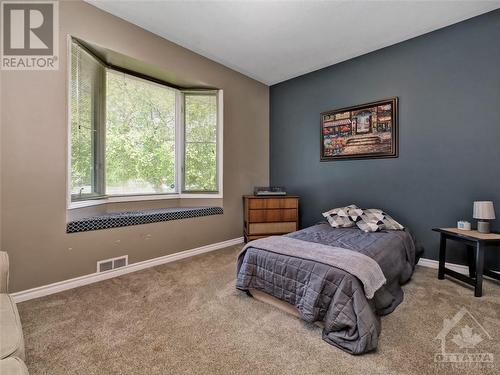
483, 226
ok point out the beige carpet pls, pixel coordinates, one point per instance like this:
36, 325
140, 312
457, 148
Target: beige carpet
187, 318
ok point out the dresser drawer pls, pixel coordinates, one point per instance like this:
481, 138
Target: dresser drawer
272, 228
273, 203
272, 215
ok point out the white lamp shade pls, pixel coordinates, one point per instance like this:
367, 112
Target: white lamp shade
484, 210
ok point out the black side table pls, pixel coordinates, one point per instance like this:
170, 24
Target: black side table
473, 240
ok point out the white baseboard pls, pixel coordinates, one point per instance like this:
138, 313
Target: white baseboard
430, 263
60, 286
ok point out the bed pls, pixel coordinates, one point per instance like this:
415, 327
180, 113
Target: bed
332, 277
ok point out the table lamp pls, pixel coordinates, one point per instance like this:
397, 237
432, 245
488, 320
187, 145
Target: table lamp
483, 211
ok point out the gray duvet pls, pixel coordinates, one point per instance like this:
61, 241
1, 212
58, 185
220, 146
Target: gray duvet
328, 294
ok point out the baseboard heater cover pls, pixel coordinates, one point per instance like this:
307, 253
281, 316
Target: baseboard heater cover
125, 219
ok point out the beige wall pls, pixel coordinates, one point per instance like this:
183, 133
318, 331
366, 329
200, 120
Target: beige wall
33, 157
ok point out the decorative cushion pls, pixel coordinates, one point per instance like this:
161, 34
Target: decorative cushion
355, 213
373, 214
340, 217
4, 272
391, 224
373, 220
340, 221
11, 333
340, 211
13, 366
369, 226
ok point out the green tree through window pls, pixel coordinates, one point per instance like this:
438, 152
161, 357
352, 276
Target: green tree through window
140, 136
200, 143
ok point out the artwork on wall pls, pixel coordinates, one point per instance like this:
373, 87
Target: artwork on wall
364, 131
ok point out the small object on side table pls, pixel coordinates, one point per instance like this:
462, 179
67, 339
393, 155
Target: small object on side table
476, 243
483, 211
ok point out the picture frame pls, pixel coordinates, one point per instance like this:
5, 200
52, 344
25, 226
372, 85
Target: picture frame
365, 131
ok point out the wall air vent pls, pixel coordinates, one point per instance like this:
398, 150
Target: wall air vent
111, 264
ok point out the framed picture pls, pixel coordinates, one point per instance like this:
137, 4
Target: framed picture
361, 132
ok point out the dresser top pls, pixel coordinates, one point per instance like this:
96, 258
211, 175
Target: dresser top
469, 234
270, 196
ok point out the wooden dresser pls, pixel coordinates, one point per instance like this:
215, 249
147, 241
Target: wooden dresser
270, 215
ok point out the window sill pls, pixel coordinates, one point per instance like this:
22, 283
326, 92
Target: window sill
138, 198
125, 219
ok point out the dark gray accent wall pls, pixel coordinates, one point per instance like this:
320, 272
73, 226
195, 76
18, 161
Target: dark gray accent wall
448, 84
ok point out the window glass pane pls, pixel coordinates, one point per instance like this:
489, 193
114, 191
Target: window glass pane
200, 158
86, 82
140, 136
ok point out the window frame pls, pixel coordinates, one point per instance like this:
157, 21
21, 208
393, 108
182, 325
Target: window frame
99, 161
98, 131
218, 180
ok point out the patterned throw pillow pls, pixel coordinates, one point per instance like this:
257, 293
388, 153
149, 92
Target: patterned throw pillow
373, 220
340, 217
369, 226
391, 224
355, 213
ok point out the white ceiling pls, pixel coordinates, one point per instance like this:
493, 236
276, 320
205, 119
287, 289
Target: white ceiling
272, 41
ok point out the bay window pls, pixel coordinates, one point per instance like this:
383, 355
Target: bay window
200, 142
133, 137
